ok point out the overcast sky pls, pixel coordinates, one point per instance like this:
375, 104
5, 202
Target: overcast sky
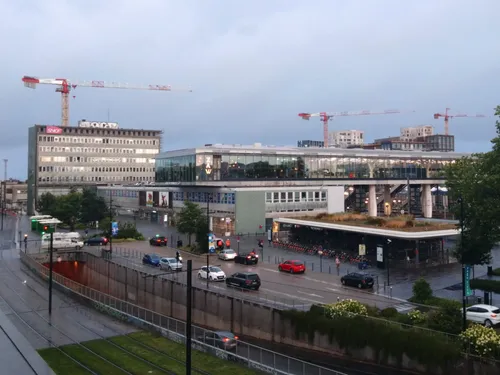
253, 66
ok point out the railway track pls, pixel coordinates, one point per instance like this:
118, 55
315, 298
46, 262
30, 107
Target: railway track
89, 313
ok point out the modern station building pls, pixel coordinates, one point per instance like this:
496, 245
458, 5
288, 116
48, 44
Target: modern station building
91, 154
246, 187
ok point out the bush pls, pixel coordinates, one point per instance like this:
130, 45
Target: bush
496, 272
378, 221
417, 317
484, 342
448, 318
389, 312
348, 307
422, 291
385, 339
486, 285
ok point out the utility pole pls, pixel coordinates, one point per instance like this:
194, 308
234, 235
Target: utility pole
110, 222
51, 267
208, 229
464, 292
3, 206
188, 315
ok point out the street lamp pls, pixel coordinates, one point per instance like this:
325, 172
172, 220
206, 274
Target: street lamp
387, 260
320, 253
208, 229
464, 302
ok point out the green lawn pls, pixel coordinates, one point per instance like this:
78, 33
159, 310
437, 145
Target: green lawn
62, 365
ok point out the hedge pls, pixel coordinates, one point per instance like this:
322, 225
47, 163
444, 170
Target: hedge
428, 348
486, 285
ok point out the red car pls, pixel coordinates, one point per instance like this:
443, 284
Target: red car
292, 266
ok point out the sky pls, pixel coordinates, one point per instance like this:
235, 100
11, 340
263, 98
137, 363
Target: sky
252, 66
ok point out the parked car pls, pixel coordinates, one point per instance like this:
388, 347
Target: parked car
483, 314
96, 241
215, 274
170, 264
227, 254
158, 241
360, 280
250, 258
248, 280
221, 339
292, 266
151, 259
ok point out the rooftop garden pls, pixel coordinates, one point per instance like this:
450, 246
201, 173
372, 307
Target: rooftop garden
405, 223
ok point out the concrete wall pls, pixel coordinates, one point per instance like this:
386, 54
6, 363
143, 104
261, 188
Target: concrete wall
336, 199
221, 312
250, 211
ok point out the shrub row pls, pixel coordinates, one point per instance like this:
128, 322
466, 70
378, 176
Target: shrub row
356, 332
486, 285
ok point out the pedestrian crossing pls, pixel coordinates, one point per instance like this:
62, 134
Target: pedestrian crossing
404, 307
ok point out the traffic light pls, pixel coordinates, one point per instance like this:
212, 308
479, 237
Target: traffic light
25, 238
177, 256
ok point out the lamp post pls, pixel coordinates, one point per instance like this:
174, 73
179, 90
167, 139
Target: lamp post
208, 229
387, 260
320, 253
464, 301
51, 266
188, 315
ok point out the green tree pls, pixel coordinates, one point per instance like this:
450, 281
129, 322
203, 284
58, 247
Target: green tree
475, 181
47, 203
190, 219
422, 291
67, 209
93, 207
202, 233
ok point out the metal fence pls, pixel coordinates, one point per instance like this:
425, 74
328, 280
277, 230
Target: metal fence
246, 354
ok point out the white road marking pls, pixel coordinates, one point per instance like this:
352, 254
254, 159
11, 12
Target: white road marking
333, 290
293, 297
309, 294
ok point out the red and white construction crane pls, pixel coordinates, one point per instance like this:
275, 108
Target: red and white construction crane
447, 118
65, 87
327, 116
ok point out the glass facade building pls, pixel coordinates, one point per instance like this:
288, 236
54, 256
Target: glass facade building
229, 163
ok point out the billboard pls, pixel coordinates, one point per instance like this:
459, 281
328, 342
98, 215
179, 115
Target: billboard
164, 199
100, 125
149, 199
53, 130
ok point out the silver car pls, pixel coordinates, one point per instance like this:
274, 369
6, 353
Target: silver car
170, 264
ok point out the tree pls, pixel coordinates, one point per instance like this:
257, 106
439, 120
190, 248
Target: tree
93, 207
47, 203
189, 219
475, 181
202, 233
67, 209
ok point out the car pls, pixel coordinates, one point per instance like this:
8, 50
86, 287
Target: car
247, 280
158, 241
214, 274
220, 339
170, 264
292, 266
228, 254
360, 280
96, 241
151, 260
483, 314
250, 258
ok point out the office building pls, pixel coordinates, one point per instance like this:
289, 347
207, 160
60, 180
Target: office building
436, 142
15, 195
345, 138
247, 186
91, 154
309, 143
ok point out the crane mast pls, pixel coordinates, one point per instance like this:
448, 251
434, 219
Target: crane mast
64, 86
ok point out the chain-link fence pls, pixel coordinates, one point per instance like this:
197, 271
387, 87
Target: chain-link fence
244, 353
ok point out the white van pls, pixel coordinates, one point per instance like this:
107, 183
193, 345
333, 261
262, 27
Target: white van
62, 242
69, 235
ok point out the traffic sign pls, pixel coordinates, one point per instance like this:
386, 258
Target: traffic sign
114, 228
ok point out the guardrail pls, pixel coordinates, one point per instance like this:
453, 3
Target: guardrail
246, 354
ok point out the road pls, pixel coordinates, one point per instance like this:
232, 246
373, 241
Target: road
282, 290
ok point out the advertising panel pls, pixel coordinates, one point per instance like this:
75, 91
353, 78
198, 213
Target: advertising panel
164, 199
53, 130
94, 124
380, 254
149, 199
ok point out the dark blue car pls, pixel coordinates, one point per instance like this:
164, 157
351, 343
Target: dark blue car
151, 259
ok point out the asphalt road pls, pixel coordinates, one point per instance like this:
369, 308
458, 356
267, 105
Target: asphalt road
280, 289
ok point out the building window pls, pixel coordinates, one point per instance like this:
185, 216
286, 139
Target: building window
269, 197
